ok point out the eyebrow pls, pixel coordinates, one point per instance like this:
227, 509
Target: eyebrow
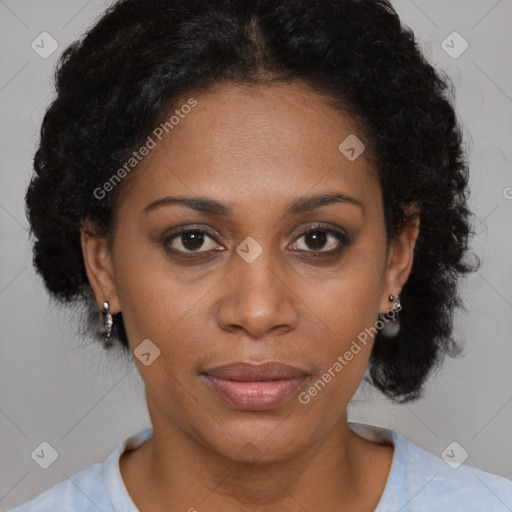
206, 205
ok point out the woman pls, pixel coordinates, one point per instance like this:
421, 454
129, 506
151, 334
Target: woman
268, 202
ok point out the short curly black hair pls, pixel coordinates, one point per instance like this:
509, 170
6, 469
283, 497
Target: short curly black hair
122, 78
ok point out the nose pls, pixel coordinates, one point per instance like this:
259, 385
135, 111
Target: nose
258, 298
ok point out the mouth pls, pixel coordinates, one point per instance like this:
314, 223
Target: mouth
253, 386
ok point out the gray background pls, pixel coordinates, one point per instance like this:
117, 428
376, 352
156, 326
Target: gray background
57, 387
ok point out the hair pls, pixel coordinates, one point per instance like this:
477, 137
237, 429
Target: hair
120, 80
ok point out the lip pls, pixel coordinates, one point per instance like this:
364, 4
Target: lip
253, 386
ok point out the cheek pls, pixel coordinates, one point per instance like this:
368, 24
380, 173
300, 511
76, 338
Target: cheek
154, 299
345, 311
342, 347
348, 301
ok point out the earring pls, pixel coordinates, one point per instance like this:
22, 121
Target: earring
392, 325
107, 323
396, 302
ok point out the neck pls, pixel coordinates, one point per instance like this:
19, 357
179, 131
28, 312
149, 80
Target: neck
173, 470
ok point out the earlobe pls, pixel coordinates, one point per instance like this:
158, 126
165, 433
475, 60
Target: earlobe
99, 269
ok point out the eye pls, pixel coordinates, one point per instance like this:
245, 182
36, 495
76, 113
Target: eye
322, 239
191, 240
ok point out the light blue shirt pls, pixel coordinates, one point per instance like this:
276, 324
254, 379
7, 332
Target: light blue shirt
418, 482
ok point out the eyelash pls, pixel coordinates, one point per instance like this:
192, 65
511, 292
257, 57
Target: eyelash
325, 228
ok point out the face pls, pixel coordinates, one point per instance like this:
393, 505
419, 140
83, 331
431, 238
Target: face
264, 272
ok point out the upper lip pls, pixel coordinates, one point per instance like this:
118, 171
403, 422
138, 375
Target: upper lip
244, 371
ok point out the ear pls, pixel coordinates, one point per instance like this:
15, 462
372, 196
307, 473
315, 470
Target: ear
400, 257
99, 267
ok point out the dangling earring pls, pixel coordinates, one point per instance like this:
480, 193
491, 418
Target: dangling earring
107, 323
392, 326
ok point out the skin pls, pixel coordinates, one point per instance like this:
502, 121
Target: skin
255, 149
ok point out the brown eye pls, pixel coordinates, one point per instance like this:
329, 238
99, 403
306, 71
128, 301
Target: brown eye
322, 240
316, 240
190, 241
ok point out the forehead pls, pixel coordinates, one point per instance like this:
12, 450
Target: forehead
268, 142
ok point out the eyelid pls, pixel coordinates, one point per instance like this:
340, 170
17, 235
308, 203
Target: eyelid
212, 233
325, 226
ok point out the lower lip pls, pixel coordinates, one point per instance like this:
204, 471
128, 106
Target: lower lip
255, 395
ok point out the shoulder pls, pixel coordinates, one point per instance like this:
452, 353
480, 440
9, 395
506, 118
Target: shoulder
423, 481
99, 487
81, 492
